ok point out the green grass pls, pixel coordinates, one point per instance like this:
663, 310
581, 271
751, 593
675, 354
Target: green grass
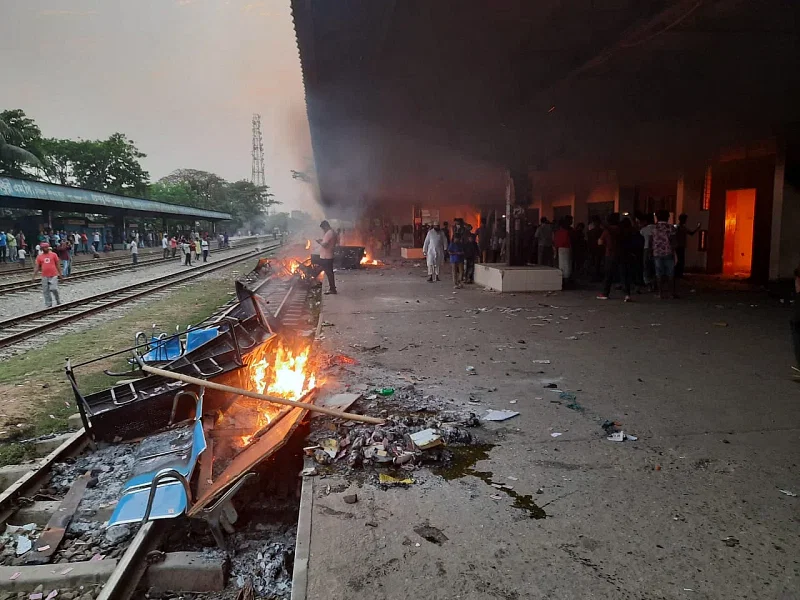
41, 374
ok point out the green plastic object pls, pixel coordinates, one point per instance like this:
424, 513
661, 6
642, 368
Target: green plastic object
385, 391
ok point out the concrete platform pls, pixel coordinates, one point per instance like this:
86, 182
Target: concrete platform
715, 409
530, 278
412, 253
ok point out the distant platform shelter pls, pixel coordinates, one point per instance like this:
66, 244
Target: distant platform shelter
50, 197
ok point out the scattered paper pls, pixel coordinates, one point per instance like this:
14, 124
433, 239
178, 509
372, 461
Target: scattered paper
23, 545
512, 401
331, 447
308, 472
788, 493
512, 478
541, 361
389, 480
65, 571
15, 576
52, 595
427, 438
36, 596
621, 436
496, 497
498, 415
97, 557
556, 434
43, 548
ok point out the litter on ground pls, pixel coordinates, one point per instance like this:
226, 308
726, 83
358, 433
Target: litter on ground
499, 415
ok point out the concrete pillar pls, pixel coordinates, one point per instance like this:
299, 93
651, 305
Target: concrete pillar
777, 214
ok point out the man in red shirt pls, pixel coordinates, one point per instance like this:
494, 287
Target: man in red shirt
49, 265
562, 241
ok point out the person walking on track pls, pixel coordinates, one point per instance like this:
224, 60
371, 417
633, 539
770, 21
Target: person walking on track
48, 264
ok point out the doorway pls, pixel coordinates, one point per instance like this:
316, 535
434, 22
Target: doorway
740, 209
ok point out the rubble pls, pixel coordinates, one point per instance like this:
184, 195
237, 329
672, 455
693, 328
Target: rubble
265, 566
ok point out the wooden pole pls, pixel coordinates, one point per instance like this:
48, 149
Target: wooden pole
242, 392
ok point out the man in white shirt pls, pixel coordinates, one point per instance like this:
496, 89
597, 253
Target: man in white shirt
646, 227
327, 244
134, 251
96, 241
165, 246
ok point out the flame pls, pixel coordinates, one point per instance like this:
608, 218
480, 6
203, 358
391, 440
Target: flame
366, 260
308, 244
279, 372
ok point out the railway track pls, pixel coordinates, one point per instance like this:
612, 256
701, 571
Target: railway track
26, 326
24, 283
132, 558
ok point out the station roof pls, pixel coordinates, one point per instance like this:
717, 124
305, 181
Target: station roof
37, 195
417, 99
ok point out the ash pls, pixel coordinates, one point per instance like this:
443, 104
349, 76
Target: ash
267, 566
111, 465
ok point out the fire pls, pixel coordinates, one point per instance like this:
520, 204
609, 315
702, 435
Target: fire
308, 244
293, 265
280, 372
366, 260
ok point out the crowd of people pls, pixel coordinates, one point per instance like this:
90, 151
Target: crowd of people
54, 253
645, 253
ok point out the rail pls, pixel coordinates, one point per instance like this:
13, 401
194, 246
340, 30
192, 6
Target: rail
26, 326
103, 270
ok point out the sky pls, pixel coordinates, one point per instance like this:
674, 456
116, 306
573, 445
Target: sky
182, 78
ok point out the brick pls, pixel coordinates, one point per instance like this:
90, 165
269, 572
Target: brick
187, 572
50, 576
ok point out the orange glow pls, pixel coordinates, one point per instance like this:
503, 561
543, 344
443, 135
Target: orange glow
366, 260
737, 252
308, 244
279, 372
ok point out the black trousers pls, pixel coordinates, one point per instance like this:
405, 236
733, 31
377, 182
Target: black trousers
188, 259
327, 268
795, 325
469, 270
166, 252
614, 265
205, 255
680, 262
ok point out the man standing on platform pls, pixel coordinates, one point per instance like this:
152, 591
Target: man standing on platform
433, 250
47, 262
326, 245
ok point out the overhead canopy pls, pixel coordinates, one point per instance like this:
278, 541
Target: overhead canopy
419, 100
22, 193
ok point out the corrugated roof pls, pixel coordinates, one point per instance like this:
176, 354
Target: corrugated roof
37, 190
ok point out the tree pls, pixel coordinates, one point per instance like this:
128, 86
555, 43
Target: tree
209, 188
174, 193
59, 157
110, 165
19, 144
246, 202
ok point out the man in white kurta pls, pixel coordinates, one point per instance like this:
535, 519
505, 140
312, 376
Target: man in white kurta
433, 249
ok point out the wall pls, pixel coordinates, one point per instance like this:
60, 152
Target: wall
789, 244
689, 200
758, 173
